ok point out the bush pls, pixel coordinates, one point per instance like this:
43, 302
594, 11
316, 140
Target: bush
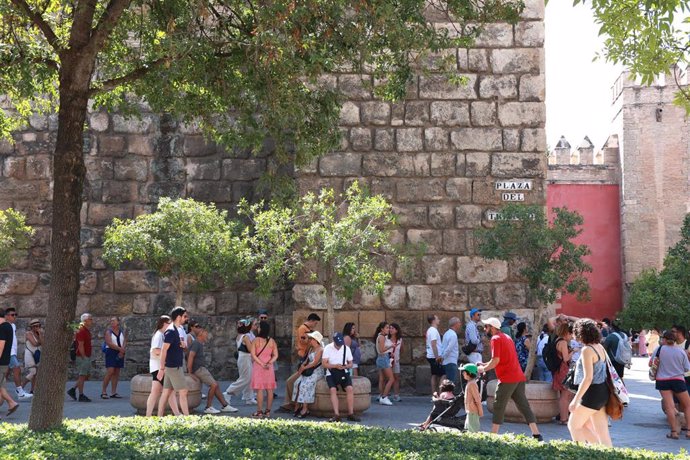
228, 437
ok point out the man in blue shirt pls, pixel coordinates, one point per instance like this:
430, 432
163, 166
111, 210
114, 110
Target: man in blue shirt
472, 337
450, 351
171, 371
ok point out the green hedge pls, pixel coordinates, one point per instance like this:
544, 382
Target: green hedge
228, 437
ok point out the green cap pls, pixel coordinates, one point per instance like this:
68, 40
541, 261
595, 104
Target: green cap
470, 368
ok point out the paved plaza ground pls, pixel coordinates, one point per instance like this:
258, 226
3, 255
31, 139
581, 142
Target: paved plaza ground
643, 424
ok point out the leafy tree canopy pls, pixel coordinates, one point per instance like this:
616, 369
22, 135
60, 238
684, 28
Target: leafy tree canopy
660, 298
14, 234
647, 37
184, 239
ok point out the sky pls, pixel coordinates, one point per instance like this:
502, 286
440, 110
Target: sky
578, 91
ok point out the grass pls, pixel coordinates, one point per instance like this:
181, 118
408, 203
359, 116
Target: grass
193, 437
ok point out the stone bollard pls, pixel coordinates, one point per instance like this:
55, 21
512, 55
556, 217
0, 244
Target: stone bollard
322, 407
543, 400
141, 389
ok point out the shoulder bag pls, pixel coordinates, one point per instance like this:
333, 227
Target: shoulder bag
654, 365
340, 375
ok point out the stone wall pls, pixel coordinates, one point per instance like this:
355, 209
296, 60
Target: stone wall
654, 137
437, 156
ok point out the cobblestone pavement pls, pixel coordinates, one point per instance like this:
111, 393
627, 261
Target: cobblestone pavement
643, 424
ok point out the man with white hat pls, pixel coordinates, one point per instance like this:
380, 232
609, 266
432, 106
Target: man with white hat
511, 379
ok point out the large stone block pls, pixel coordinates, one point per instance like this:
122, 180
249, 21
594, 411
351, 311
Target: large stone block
443, 164
135, 281
410, 322
511, 296
442, 216
355, 87
495, 35
477, 164
438, 87
203, 169
453, 298
529, 34
534, 9
360, 139
454, 242
468, 216
112, 145
18, 283
507, 164
416, 190
486, 139
484, 192
198, 146
533, 140
142, 124
409, 139
389, 165
450, 113
516, 60
411, 215
438, 269
103, 214
416, 113
394, 297
479, 270
522, 114
501, 86
243, 169
483, 113
432, 239
481, 296
511, 140
436, 139
119, 192
313, 296
419, 297
384, 139
459, 188
376, 113
341, 164
349, 114
478, 60
131, 168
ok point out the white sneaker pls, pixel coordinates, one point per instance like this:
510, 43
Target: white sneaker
229, 408
250, 402
211, 410
203, 396
385, 401
26, 396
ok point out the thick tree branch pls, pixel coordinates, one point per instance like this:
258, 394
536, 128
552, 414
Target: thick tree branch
83, 20
109, 85
107, 23
39, 22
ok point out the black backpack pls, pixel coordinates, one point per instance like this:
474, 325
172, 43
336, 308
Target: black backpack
550, 354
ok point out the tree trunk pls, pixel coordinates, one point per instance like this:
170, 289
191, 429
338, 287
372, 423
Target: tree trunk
179, 290
68, 176
537, 325
330, 311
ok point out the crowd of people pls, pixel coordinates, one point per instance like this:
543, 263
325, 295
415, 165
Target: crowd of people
575, 355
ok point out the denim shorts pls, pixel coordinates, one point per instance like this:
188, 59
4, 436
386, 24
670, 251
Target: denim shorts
14, 362
383, 361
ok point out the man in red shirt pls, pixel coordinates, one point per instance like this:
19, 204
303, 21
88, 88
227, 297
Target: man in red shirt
83, 363
511, 380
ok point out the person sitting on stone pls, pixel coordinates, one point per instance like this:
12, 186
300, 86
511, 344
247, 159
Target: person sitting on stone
337, 359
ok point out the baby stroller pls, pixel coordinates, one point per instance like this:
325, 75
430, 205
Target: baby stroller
445, 413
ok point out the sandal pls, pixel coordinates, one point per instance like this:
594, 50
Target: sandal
304, 414
334, 419
673, 435
104, 396
9, 412
115, 396
267, 413
258, 414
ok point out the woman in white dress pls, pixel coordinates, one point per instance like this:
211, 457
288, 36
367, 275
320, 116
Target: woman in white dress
310, 372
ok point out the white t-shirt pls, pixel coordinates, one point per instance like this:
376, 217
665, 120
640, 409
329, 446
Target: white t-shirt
155, 361
431, 335
335, 356
13, 351
542, 343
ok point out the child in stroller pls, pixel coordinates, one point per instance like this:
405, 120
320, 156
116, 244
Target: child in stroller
445, 408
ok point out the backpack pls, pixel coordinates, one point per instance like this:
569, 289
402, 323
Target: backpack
550, 354
623, 353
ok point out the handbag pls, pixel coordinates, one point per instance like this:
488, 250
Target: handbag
340, 375
569, 381
614, 405
37, 356
310, 370
469, 348
654, 365
617, 386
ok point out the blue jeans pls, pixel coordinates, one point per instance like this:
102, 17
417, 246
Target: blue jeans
451, 371
541, 372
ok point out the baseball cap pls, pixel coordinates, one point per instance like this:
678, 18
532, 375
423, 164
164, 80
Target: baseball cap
492, 322
338, 339
510, 315
470, 368
473, 311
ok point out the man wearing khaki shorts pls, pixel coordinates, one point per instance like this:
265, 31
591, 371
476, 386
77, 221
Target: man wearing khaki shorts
83, 362
172, 355
6, 337
195, 367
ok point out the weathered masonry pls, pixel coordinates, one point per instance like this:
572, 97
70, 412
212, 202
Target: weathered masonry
446, 157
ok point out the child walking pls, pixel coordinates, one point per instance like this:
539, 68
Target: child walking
473, 400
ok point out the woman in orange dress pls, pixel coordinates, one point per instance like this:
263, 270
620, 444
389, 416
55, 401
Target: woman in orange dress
565, 333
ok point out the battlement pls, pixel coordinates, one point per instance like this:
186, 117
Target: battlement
584, 164
676, 76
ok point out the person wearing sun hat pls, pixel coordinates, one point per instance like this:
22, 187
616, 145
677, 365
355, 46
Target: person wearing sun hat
511, 379
310, 372
473, 343
33, 342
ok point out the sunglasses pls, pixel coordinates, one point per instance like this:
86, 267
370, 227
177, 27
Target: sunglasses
11, 314
263, 317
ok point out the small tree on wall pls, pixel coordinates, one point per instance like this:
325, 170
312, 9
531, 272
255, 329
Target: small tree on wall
14, 234
660, 298
185, 240
338, 242
548, 259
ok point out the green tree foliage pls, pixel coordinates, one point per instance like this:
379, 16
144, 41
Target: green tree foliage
242, 70
662, 298
544, 253
647, 37
338, 242
185, 240
14, 234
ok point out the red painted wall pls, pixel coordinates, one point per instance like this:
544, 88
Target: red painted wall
599, 205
